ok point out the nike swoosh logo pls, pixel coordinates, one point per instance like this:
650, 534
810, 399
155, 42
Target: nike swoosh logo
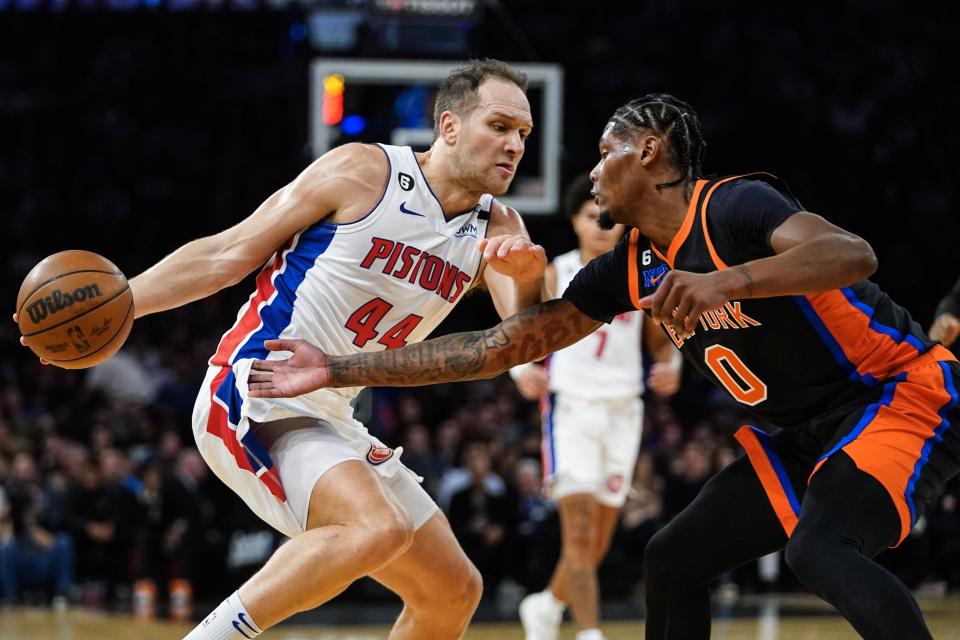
658, 278
403, 209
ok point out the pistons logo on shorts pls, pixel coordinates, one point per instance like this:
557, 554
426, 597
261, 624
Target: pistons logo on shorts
614, 483
378, 455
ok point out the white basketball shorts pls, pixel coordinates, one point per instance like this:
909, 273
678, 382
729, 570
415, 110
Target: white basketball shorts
590, 446
277, 483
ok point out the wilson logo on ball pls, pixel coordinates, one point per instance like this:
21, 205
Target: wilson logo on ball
60, 300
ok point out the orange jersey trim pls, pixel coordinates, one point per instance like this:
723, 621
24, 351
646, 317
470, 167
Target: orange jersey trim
871, 352
718, 263
685, 227
768, 478
633, 271
660, 255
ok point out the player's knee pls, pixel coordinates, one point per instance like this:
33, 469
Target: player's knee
389, 533
579, 546
580, 535
396, 532
659, 560
453, 595
811, 559
470, 589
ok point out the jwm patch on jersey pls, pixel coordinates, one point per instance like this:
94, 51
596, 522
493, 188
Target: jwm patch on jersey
378, 283
607, 363
787, 357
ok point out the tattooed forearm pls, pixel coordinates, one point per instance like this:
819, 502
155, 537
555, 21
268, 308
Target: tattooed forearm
525, 336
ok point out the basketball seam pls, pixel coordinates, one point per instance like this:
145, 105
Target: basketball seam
87, 355
107, 301
63, 275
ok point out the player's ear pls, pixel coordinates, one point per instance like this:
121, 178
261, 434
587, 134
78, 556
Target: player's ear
649, 148
449, 127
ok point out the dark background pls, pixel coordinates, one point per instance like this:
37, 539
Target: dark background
130, 133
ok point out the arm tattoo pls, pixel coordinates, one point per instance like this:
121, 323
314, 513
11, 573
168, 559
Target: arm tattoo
748, 279
525, 336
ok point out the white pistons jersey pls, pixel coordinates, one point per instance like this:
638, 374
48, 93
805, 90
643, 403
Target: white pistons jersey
606, 364
378, 283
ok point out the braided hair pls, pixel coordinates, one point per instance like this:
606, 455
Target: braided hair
673, 120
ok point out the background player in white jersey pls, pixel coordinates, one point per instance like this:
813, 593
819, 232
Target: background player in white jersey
592, 423
368, 248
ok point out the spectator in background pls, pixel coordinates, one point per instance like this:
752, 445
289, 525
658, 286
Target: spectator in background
456, 479
536, 526
123, 378
420, 458
34, 557
946, 323
96, 524
482, 519
688, 474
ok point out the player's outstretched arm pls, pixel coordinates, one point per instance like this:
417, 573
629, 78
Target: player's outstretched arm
528, 335
204, 266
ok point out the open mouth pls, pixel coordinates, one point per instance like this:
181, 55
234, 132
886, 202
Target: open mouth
505, 168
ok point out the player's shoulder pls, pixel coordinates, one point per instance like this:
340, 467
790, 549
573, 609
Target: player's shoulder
355, 160
754, 189
505, 220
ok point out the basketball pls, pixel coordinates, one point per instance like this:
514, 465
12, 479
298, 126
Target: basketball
75, 309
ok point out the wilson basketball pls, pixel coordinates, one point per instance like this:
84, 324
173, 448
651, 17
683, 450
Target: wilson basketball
75, 309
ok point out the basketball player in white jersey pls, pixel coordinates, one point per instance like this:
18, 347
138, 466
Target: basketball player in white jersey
592, 422
368, 249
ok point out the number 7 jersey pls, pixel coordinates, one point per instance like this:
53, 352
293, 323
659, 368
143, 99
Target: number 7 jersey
381, 282
605, 365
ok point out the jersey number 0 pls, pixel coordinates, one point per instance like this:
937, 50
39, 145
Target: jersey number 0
735, 376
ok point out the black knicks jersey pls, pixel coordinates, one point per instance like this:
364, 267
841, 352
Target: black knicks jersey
789, 358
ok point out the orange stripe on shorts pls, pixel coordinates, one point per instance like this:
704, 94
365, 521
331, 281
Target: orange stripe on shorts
768, 478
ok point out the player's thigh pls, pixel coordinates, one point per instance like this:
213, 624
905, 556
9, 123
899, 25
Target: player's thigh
729, 523
434, 571
844, 505
351, 493
327, 481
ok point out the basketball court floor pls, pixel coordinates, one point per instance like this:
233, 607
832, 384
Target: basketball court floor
763, 618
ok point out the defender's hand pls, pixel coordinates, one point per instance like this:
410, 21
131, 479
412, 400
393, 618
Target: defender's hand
664, 379
514, 256
304, 371
683, 296
533, 383
945, 328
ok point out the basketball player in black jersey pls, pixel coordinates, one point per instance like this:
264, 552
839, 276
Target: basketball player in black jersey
771, 303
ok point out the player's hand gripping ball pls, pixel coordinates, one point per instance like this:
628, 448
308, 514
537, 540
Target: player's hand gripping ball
75, 309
